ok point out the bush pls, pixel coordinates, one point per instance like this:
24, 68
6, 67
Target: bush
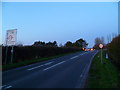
33, 52
114, 50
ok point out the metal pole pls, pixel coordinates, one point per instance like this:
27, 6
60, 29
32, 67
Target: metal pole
101, 55
6, 52
12, 54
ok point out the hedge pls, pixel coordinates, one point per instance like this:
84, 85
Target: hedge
114, 50
33, 52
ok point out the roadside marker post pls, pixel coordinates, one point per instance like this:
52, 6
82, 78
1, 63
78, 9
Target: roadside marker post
101, 46
106, 55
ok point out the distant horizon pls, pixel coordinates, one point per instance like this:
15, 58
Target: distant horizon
60, 22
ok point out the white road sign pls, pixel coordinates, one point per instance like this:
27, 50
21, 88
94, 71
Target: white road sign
101, 45
11, 37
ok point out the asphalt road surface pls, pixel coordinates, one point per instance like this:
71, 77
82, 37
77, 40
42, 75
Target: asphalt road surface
68, 71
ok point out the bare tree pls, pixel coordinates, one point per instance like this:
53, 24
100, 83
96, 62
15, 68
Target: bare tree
98, 41
108, 39
102, 40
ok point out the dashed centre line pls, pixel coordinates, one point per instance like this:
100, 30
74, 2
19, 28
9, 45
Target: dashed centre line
34, 67
4, 87
8, 87
39, 66
74, 57
48, 63
54, 65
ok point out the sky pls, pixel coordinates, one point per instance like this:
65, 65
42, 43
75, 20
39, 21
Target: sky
59, 21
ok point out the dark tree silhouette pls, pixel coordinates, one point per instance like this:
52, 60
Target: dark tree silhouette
68, 44
39, 43
80, 43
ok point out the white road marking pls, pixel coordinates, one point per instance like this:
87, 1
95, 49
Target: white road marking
81, 75
74, 57
84, 53
53, 65
39, 66
3, 86
48, 63
34, 67
83, 71
8, 87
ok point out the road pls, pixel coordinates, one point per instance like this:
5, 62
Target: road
68, 71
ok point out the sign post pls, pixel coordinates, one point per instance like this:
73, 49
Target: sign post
6, 52
12, 54
101, 46
11, 41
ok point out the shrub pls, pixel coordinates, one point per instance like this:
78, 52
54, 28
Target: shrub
114, 50
33, 52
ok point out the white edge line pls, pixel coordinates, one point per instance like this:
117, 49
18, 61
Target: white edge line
53, 65
88, 67
84, 70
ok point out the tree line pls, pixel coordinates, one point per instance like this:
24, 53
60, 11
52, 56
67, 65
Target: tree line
80, 43
40, 50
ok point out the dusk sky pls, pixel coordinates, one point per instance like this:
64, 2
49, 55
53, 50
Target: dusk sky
60, 21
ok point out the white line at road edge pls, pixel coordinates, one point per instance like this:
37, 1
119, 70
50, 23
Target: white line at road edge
87, 69
74, 57
84, 70
81, 83
54, 65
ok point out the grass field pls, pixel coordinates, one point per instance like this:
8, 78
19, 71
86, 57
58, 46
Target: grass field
27, 62
103, 75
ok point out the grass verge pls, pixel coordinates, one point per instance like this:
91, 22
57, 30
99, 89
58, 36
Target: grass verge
103, 75
27, 62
